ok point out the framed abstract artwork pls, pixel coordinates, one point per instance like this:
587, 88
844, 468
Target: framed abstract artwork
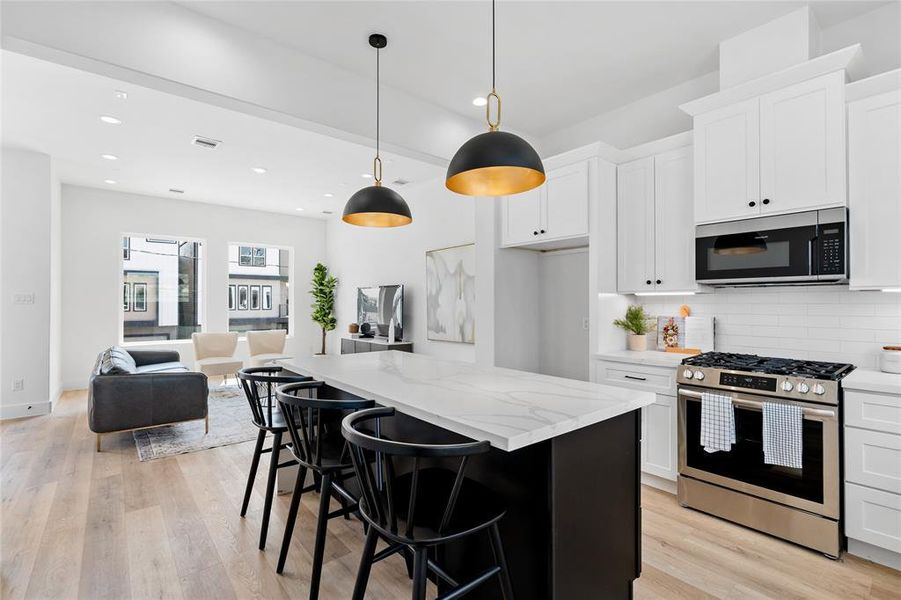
450, 294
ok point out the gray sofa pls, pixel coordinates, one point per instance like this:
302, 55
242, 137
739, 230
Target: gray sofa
136, 389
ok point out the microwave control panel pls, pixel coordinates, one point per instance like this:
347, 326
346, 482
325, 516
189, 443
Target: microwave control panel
831, 249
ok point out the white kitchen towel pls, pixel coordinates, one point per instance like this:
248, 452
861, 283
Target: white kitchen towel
717, 422
782, 434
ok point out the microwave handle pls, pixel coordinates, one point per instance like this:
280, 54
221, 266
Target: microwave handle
811, 253
816, 413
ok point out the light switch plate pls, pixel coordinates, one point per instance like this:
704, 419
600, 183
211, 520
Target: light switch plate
23, 298
19, 384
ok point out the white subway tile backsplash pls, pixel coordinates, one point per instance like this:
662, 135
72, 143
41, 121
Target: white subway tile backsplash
829, 323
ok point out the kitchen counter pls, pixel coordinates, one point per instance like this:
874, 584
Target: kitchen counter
648, 357
870, 380
565, 460
509, 408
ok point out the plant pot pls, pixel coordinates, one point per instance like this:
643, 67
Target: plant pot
636, 342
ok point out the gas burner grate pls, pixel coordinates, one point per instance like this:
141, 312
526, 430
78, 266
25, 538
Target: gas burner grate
770, 366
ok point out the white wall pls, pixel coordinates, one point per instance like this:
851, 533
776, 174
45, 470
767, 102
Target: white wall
879, 34
93, 221
563, 305
55, 370
365, 256
26, 264
828, 323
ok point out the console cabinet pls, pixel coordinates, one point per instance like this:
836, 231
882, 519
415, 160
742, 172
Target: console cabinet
358, 344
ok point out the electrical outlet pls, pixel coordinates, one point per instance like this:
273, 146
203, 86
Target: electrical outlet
23, 298
585, 323
19, 384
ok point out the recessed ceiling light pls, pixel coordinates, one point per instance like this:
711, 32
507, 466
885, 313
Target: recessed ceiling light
109, 181
121, 95
109, 156
366, 176
328, 194
259, 170
480, 101
300, 209
110, 120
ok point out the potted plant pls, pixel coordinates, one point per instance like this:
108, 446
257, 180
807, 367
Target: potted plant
637, 324
323, 306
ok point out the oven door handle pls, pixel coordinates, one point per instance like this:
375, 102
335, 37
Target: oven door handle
818, 414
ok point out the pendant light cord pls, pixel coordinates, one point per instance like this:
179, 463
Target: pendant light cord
377, 161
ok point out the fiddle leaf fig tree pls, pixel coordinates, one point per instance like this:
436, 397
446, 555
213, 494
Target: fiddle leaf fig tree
323, 306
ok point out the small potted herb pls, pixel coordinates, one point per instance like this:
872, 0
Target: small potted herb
637, 324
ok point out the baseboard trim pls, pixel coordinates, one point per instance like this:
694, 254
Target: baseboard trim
664, 485
18, 411
875, 554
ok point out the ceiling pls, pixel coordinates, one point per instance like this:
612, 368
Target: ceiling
559, 63
55, 109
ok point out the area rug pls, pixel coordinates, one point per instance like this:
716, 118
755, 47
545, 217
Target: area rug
229, 424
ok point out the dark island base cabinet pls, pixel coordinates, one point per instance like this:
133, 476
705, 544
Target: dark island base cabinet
573, 525
355, 345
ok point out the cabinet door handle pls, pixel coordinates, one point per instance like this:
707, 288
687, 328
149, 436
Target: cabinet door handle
659, 282
648, 282
752, 204
766, 200
534, 233
543, 231
635, 378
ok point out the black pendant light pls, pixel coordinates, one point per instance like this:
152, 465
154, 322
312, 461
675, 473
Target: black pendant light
377, 205
737, 244
495, 163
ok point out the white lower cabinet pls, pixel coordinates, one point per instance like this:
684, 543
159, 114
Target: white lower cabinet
658, 438
873, 471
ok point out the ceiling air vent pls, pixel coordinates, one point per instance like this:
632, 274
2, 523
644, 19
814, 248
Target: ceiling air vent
176, 191
205, 142
326, 212
400, 182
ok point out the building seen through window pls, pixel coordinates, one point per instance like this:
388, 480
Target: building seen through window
258, 288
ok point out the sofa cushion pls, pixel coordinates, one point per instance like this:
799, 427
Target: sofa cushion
166, 367
116, 361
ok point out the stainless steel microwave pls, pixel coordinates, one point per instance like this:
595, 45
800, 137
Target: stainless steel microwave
807, 247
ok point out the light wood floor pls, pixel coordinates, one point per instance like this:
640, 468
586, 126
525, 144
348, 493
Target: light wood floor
78, 524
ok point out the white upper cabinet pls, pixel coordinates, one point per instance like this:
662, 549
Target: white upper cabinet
655, 228
635, 226
551, 214
674, 240
779, 153
566, 202
802, 146
874, 166
726, 162
522, 217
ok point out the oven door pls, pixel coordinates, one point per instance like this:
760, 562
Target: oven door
767, 249
814, 487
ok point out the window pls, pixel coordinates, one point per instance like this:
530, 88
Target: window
252, 256
260, 278
162, 288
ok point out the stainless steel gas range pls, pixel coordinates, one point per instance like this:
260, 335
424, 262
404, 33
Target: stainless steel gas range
801, 505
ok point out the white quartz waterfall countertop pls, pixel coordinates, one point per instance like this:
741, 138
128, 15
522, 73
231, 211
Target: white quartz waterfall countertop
511, 409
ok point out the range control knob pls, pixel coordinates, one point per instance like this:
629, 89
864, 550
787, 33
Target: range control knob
687, 374
803, 388
699, 375
787, 385
818, 389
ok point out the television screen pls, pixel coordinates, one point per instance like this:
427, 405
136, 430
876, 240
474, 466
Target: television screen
377, 306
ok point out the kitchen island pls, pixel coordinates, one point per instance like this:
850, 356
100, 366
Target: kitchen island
565, 458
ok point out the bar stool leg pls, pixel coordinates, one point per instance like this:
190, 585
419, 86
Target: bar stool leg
365, 564
292, 517
497, 549
420, 573
325, 494
254, 463
270, 486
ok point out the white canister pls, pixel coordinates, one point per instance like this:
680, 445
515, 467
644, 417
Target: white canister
890, 359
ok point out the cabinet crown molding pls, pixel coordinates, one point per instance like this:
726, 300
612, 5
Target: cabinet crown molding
846, 59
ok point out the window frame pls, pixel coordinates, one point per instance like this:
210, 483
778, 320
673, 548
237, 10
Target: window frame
204, 281
232, 296
266, 300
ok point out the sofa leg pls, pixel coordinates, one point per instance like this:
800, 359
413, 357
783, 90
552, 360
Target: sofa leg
206, 425
98, 442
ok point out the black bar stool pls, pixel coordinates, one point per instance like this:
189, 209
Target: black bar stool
259, 387
390, 504
314, 426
